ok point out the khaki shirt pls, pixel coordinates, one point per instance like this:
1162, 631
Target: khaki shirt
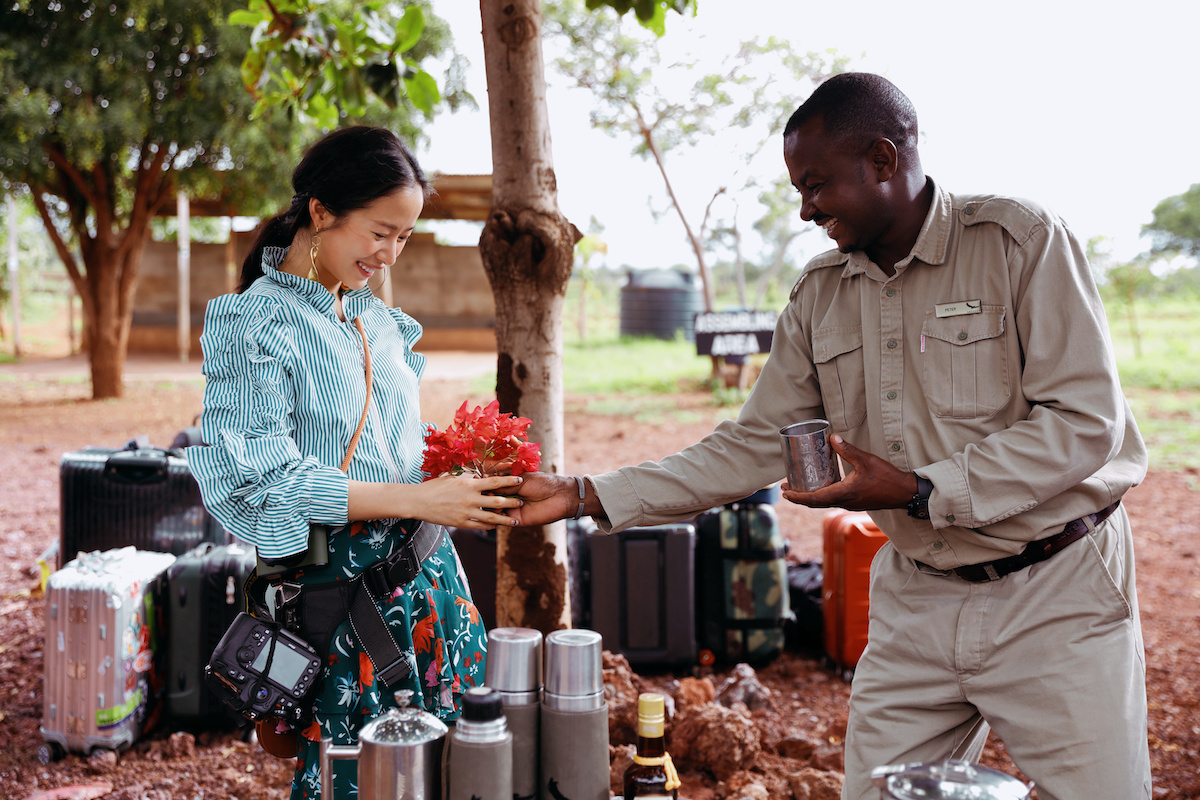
1013, 409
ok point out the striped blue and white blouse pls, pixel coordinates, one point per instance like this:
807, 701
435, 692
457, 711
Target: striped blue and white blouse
284, 394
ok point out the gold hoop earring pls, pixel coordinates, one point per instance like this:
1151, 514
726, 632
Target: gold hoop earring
313, 275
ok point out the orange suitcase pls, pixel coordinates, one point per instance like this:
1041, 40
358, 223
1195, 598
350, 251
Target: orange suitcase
851, 540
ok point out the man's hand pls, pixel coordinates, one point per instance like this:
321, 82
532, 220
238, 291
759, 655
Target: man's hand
873, 484
547, 498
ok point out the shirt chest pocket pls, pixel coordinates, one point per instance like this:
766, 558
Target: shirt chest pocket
965, 363
838, 355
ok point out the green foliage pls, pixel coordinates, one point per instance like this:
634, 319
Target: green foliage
652, 14
323, 60
1175, 226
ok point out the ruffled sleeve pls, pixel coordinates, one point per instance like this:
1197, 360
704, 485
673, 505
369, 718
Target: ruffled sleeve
410, 331
252, 476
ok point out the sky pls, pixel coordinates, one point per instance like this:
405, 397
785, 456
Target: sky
1091, 109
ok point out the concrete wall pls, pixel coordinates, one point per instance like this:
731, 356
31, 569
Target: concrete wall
444, 288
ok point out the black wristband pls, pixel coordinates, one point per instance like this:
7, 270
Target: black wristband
918, 506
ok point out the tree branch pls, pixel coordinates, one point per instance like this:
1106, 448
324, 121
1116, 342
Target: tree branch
61, 162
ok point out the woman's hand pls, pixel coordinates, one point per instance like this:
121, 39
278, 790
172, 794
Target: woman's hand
454, 501
467, 502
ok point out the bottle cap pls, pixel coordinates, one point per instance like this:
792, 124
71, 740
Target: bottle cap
651, 706
573, 663
514, 660
481, 704
651, 714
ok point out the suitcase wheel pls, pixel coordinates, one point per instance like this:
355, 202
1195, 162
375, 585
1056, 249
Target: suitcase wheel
706, 657
49, 751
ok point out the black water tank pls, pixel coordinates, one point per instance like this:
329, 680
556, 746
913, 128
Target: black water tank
660, 302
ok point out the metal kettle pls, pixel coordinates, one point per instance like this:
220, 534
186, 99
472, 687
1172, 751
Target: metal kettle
947, 780
399, 755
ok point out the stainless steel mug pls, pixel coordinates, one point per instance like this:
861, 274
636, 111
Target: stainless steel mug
810, 461
399, 755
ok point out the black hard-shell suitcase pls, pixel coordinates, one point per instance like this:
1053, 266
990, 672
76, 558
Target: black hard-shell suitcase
743, 601
203, 594
643, 593
140, 496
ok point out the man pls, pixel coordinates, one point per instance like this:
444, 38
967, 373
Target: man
959, 349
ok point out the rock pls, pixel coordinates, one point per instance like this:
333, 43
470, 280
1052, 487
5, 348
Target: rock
621, 693
835, 731
695, 692
619, 758
800, 748
746, 786
815, 784
829, 757
180, 745
719, 740
743, 686
102, 762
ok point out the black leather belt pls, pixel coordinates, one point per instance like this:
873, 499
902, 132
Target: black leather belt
1034, 552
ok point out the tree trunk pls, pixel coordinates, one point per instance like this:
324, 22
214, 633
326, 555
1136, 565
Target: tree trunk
528, 249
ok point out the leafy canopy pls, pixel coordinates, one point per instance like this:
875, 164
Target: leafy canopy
1176, 224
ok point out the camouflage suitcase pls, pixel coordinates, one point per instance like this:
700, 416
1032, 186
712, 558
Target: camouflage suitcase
103, 666
742, 600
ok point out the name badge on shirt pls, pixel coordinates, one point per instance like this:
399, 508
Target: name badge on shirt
958, 309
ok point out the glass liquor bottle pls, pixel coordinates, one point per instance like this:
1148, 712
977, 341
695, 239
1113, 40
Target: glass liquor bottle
651, 775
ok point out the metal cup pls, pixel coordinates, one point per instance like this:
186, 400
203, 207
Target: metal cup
809, 458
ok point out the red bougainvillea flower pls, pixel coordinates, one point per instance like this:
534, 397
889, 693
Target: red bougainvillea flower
481, 442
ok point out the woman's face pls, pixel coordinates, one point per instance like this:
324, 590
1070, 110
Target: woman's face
354, 247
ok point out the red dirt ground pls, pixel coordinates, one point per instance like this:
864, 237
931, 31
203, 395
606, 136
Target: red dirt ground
40, 420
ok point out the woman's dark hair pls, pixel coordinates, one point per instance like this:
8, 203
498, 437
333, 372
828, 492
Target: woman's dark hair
346, 170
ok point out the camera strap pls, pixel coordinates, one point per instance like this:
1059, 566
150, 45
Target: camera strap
377, 583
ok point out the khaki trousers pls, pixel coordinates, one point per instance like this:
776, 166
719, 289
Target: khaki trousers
1051, 657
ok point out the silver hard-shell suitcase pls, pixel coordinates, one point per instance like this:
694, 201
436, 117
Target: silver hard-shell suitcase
103, 671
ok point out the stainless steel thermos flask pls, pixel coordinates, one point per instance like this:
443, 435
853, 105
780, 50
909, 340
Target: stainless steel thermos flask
574, 731
514, 669
480, 749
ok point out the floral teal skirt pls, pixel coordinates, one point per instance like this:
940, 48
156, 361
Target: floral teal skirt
435, 624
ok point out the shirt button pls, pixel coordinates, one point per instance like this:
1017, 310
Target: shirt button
937, 545
891, 395
895, 447
890, 292
892, 344
949, 518
969, 210
962, 335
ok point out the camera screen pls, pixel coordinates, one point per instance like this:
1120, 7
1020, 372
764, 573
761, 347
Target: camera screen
286, 668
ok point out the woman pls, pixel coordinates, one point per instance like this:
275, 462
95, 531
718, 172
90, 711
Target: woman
287, 386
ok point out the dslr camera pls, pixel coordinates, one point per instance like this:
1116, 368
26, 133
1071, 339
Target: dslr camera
262, 670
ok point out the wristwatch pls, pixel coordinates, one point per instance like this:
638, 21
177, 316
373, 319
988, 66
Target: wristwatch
918, 506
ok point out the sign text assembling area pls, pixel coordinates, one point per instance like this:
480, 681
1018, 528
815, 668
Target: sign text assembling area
734, 333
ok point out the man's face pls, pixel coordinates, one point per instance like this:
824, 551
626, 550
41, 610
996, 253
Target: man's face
839, 188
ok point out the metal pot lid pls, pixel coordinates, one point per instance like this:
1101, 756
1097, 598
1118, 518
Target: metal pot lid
947, 780
403, 726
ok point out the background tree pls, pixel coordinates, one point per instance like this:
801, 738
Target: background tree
586, 249
1123, 280
108, 110
1175, 226
663, 105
